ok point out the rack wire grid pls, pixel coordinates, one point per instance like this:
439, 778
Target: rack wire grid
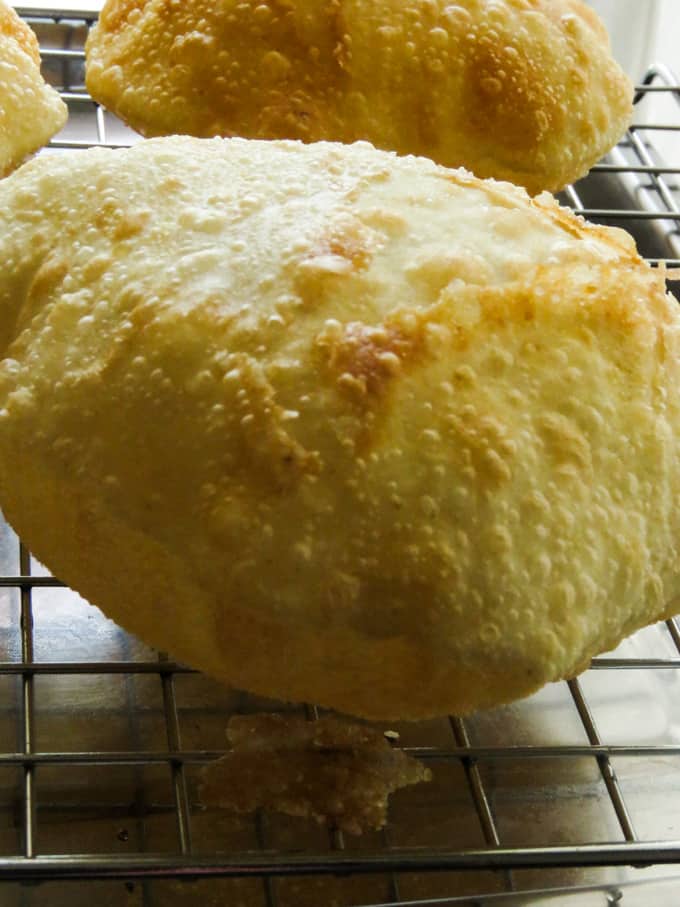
570, 797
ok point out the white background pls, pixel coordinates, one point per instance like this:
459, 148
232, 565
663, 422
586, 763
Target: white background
642, 31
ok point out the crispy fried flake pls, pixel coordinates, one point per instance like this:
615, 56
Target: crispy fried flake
328, 770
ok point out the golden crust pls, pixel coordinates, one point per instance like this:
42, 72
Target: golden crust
11, 26
30, 111
524, 90
336, 425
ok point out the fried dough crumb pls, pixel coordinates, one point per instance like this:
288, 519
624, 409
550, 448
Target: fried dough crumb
333, 771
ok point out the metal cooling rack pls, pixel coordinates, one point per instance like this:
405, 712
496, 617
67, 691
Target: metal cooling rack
571, 797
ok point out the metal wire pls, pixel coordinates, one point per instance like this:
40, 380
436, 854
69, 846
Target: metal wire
635, 164
480, 798
27, 708
175, 746
281, 864
608, 775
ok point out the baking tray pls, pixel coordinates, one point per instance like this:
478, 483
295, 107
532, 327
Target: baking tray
571, 797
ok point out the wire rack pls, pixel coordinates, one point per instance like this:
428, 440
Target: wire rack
572, 796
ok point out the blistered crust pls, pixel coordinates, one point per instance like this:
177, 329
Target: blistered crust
524, 90
30, 111
335, 425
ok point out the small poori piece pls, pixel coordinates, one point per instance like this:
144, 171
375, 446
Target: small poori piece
31, 112
335, 425
330, 770
524, 90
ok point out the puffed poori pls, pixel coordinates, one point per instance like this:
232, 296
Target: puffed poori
523, 90
30, 111
336, 425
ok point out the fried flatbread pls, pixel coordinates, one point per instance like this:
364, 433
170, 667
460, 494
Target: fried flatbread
524, 90
30, 111
336, 425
